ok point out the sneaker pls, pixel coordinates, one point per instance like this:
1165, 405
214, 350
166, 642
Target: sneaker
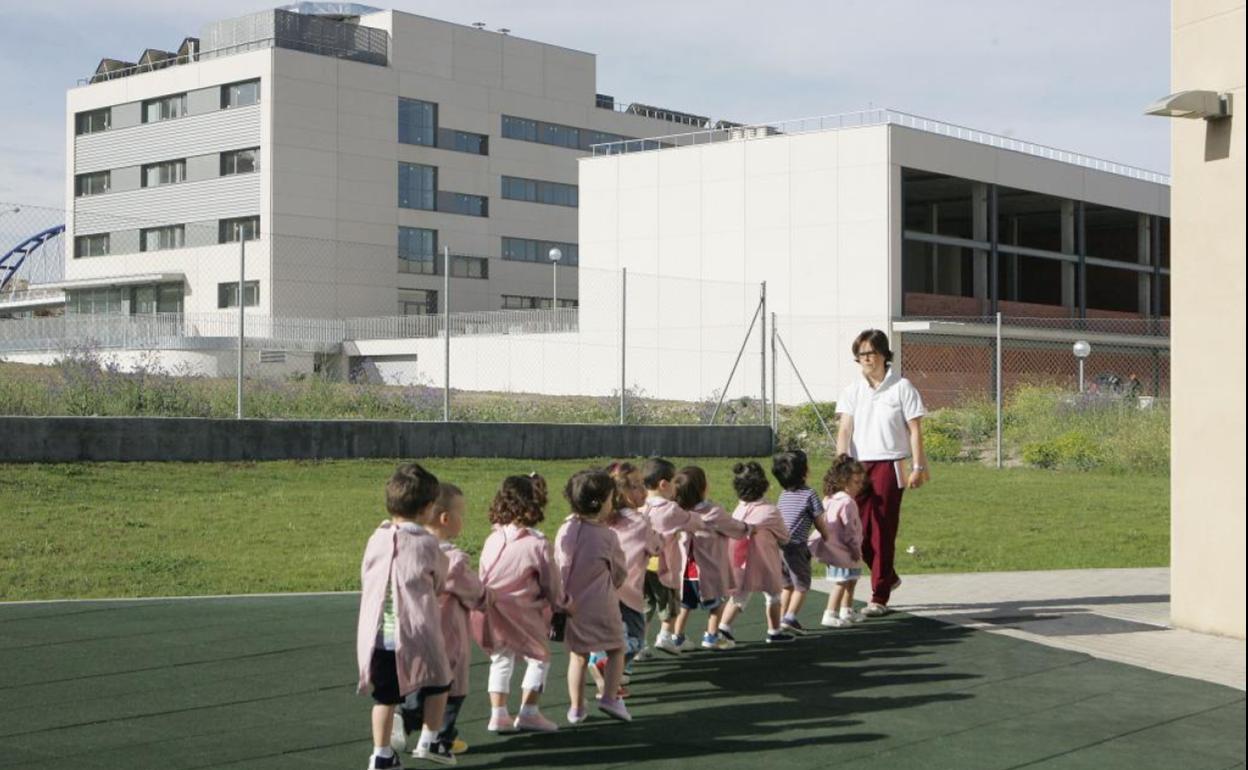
854, 617
576, 716
458, 746
667, 644
716, 642
779, 637
398, 736
727, 634
644, 654
534, 723
391, 762
896, 584
874, 610
615, 709
793, 626
833, 620
503, 724
437, 752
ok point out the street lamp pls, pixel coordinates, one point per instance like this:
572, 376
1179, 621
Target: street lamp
555, 255
1082, 350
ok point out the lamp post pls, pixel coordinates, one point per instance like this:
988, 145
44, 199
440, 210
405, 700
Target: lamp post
1082, 350
555, 255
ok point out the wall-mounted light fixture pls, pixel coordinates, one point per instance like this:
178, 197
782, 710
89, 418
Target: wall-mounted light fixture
1209, 105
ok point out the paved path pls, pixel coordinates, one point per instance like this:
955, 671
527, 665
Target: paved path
1121, 615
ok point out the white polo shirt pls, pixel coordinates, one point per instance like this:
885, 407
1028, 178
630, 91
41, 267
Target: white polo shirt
880, 415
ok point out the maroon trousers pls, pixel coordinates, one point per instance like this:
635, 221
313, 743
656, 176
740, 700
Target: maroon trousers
879, 504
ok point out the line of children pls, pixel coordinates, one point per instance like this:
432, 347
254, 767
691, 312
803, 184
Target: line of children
638, 543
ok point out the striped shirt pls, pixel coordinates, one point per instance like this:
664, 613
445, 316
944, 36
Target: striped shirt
799, 507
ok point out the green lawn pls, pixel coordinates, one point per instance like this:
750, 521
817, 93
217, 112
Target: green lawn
160, 529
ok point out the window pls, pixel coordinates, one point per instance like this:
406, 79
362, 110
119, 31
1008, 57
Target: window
166, 172
240, 161
418, 122
418, 186
156, 298
160, 238
560, 136
91, 245
469, 205
469, 267
538, 191
164, 108
94, 121
96, 301
604, 137
92, 184
240, 229
529, 250
555, 134
520, 128
465, 141
418, 250
240, 94
518, 302
227, 294
418, 302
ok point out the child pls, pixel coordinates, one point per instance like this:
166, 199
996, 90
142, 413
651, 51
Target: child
756, 559
708, 568
801, 509
519, 574
639, 542
664, 578
841, 549
461, 593
591, 568
399, 643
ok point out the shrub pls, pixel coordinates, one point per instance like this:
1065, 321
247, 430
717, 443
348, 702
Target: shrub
942, 447
1074, 450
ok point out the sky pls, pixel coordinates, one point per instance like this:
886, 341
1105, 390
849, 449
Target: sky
1071, 74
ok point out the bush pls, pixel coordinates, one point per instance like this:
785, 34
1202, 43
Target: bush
942, 447
800, 428
1073, 450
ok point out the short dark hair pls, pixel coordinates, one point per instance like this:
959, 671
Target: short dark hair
517, 502
837, 478
690, 487
749, 481
410, 490
655, 471
447, 494
790, 468
587, 490
879, 343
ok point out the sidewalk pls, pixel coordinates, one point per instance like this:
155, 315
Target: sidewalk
1121, 615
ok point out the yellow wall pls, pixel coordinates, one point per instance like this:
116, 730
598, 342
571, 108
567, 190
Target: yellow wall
1207, 306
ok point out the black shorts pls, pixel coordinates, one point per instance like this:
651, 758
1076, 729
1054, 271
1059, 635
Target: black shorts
383, 672
691, 597
634, 625
795, 566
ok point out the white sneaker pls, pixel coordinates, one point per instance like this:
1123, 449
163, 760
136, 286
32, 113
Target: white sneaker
644, 654
576, 716
503, 724
832, 620
874, 610
667, 644
854, 617
398, 736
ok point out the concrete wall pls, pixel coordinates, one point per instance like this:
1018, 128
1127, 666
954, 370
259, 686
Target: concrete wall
104, 439
1207, 290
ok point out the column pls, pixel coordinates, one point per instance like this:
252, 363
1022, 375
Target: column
1144, 255
1068, 247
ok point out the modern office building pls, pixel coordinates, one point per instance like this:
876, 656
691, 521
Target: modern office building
350, 147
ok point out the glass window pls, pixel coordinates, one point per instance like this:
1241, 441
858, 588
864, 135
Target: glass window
96, 301
520, 302
227, 294
91, 245
160, 238
164, 108
92, 184
530, 250
166, 172
239, 229
469, 205
517, 189
169, 298
537, 191
418, 122
94, 121
418, 251
469, 267
418, 186
520, 128
561, 136
464, 141
240, 94
143, 300
418, 302
240, 161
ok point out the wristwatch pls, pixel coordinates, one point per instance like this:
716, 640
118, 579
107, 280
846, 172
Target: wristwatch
918, 468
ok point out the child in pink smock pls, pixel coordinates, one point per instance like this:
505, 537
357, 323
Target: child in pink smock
399, 643
842, 550
708, 579
756, 559
520, 577
591, 569
461, 593
665, 577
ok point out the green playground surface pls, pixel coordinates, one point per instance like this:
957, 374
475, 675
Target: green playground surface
268, 681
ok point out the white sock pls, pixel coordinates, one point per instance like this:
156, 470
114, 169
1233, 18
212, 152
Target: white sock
383, 751
499, 711
847, 612
528, 709
725, 627
427, 737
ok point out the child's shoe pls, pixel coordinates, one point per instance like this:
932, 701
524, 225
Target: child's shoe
534, 722
615, 709
726, 633
874, 610
779, 637
716, 642
853, 616
644, 654
398, 736
833, 620
667, 644
791, 624
458, 746
501, 722
437, 752
576, 716
391, 762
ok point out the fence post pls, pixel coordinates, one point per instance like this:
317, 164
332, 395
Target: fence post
242, 330
762, 338
446, 333
775, 393
623, 338
999, 391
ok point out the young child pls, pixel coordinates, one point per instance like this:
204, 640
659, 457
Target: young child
801, 509
591, 569
756, 559
399, 644
461, 592
664, 578
639, 542
841, 549
519, 574
708, 568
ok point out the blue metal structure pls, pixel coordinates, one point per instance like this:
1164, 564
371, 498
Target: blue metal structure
14, 258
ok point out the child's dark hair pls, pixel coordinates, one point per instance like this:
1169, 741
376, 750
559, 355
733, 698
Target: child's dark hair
749, 481
690, 487
410, 490
878, 341
655, 471
517, 502
447, 495
839, 474
619, 472
587, 490
540, 492
790, 469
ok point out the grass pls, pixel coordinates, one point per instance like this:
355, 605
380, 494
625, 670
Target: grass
161, 529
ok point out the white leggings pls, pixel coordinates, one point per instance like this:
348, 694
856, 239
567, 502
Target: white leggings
503, 664
742, 600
